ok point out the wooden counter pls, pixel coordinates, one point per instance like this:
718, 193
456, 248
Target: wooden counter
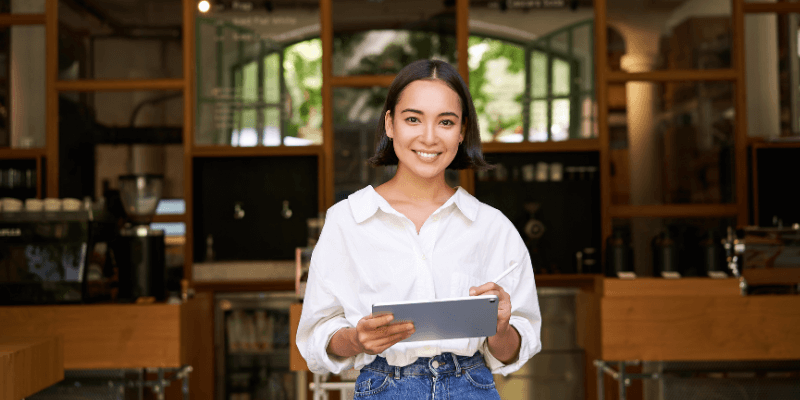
118, 336
687, 319
28, 365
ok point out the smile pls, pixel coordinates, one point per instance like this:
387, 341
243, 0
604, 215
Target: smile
426, 155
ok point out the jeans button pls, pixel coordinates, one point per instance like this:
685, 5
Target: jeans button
435, 364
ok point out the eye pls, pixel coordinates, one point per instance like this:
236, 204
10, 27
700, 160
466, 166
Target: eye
447, 122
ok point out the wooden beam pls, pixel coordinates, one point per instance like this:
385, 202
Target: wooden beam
51, 96
775, 8
21, 154
674, 75
362, 81
576, 145
674, 211
602, 72
259, 151
700, 328
466, 176
588, 320
740, 126
326, 36
120, 85
22, 19
188, 83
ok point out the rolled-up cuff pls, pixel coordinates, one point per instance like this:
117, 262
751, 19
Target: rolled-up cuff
322, 362
529, 345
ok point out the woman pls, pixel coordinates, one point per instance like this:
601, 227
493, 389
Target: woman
416, 238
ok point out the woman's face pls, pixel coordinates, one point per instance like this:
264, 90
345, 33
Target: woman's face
426, 128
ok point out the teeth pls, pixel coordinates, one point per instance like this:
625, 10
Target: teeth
427, 155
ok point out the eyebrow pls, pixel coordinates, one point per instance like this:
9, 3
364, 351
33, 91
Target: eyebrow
450, 113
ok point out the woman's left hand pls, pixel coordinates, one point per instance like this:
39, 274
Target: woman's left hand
503, 308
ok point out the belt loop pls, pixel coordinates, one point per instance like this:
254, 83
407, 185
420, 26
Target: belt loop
458, 367
397, 373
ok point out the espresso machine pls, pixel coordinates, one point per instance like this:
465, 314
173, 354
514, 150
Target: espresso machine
139, 251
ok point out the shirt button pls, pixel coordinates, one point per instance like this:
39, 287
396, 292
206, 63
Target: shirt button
435, 364
423, 257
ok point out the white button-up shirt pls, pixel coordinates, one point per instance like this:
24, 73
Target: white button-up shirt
370, 253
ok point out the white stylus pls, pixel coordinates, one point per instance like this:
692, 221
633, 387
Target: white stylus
506, 272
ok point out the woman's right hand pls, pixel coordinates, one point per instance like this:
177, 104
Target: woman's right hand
376, 333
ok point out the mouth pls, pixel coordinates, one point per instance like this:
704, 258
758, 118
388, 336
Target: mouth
427, 156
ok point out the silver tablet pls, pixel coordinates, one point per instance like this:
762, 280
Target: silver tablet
453, 318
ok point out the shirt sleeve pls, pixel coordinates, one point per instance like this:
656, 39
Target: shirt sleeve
525, 314
323, 313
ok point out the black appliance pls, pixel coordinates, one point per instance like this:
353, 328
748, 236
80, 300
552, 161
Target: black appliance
139, 251
45, 256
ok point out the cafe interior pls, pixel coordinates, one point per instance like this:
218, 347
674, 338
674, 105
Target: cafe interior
166, 167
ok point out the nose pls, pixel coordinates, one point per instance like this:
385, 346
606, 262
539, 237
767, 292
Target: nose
429, 135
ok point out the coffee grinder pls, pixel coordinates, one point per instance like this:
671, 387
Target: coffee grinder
139, 251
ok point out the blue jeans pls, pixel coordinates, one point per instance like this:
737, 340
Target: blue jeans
444, 377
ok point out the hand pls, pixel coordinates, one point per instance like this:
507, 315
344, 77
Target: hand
374, 334
503, 307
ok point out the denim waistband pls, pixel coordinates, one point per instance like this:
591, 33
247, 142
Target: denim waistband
437, 365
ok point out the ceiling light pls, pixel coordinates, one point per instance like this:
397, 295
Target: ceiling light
204, 6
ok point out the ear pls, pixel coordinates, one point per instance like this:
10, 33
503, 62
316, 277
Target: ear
463, 131
388, 124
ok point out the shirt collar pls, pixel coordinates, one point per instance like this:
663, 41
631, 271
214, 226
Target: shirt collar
366, 202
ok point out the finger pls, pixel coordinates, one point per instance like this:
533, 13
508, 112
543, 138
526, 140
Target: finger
391, 340
388, 330
376, 321
482, 289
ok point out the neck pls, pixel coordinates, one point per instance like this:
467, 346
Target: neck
419, 188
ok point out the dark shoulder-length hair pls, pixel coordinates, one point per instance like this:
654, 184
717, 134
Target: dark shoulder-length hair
469, 153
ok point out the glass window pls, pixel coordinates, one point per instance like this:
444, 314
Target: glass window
259, 75
670, 35
22, 86
381, 37
497, 86
772, 62
22, 6
673, 143
533, 72
103, 135
120, 39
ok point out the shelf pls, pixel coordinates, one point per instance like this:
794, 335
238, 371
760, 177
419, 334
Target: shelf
169, 218
245, 286
674, 211
779, 8
776, 145
260, 151
533, 147
362, 81
21, 154
127, 85
22, 19
674, 75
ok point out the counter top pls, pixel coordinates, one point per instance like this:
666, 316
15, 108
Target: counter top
29, 364
112, 336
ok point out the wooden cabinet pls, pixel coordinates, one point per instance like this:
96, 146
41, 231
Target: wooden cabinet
119, 336
29, 364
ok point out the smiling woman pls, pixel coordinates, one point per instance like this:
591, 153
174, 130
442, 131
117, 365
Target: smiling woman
416, 238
